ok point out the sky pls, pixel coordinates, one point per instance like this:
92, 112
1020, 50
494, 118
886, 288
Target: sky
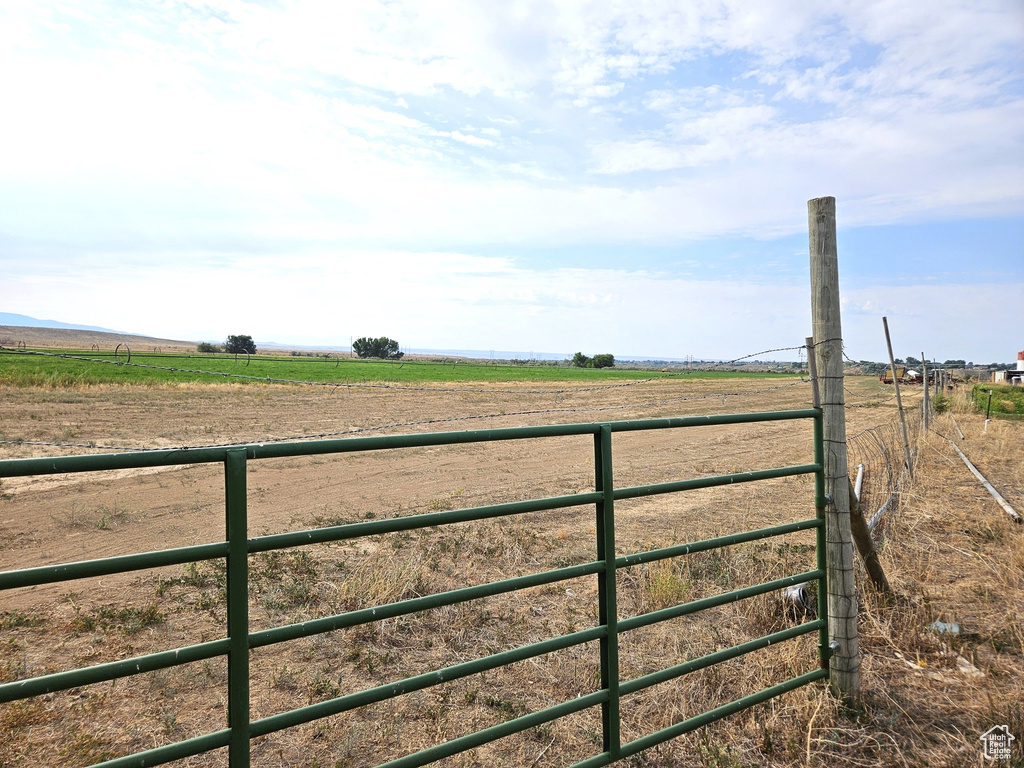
623, 177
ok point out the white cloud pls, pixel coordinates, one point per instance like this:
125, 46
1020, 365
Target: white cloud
643, 155
487, 303
304, 128
450, 299
473, 141
458, 300
183, 94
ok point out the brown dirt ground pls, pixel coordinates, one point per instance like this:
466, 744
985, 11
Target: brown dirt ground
948, 549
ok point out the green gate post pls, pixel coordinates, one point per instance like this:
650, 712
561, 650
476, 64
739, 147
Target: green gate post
821, 545
607, 608
238, 607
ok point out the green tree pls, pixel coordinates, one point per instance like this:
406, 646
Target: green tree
579, 360
237, 345
384, 348
207, 347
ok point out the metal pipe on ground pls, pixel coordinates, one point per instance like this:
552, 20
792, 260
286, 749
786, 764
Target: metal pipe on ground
1014, 515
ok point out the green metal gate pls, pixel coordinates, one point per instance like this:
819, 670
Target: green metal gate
237, 547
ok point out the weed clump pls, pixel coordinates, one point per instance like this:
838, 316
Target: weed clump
127, 621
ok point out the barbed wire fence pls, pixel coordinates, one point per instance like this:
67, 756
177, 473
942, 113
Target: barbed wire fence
881, 452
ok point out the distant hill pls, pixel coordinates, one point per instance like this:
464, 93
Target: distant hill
11, 318
21, 329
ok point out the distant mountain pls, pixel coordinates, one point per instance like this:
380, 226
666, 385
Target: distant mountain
10, 318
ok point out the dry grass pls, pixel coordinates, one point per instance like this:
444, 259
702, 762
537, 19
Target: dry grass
948, 549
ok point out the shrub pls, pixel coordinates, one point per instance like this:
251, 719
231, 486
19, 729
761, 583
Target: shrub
236, 345
384, 348
579, 360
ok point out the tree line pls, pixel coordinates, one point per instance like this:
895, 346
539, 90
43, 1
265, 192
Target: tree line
579, 360
233, 345
383, 348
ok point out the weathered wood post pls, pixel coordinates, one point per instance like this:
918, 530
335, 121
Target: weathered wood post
926, 405
866, 546
899, 400
828, 347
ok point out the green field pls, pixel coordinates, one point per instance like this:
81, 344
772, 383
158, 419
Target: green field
81, 368
1007, 401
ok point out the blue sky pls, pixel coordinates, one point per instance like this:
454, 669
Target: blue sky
620, 177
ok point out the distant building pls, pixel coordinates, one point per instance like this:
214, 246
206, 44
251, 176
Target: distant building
1013, 376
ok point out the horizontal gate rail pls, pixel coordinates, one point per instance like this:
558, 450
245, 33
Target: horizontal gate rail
413, 522
101, 673
677, 611
175, 456
723, 541
426, 680
84, 569
693, 723
417, 604
237, 547
671, 673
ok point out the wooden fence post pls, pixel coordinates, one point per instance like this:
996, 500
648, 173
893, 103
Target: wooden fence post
926, 405
812, 369
828, 347
899, 400
866, 546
